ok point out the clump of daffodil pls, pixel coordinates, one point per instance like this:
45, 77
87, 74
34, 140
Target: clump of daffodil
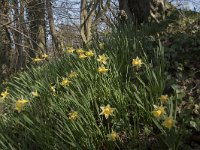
103, 69
164, 98
45, 56
73, 115
37, 59
65, 82
70, 50
89, 53
80, 51
72, 75
82, 56
4, 94
102, 59
137, 62
158, 111
19, 105
106, 111
168, 122
35, 93
113, 136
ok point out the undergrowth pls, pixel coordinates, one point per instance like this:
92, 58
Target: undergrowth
78, 102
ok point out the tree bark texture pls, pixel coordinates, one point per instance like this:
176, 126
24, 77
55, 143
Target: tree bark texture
36, 16
57, 41
86, 21
5, 42
18, 37
90, 15
144, 10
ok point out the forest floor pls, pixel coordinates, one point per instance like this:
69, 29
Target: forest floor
182, 39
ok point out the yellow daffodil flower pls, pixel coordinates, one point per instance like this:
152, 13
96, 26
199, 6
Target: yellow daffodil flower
164, 98
20, 104
73, 115
158, 111
82, 56
103, 70
106, 111
137, 63
4, 94
89, 53
37, 59
113, 136
65, 82
102, 59
35, 93
45, 56
80, 51
72, 74
70, 50
168, 123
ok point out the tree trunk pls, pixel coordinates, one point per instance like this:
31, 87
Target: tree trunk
36, 16
84, 18
5, 43
18, 16
55, 38
87, 15
90, 16
144, 10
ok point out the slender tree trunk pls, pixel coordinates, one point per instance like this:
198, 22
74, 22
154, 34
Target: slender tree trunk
18, 15
83, 16
86, 15
90, 15
57, 43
